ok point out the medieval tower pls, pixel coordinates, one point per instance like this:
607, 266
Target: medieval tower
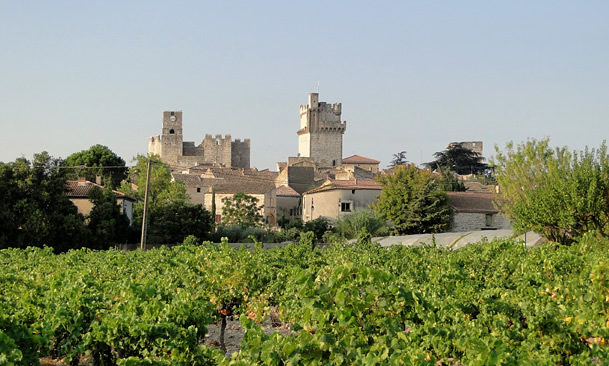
213, 151
321, 132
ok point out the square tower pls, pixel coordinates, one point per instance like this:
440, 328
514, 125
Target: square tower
321, 132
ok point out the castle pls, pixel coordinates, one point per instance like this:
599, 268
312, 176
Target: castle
212, 151
320, 137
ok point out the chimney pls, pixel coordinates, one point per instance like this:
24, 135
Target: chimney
98, 180
82, 181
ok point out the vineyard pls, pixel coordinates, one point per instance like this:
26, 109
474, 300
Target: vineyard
493, 303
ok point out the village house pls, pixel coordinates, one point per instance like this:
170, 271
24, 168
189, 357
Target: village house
336, 198
78, 193
474, 211
357, 161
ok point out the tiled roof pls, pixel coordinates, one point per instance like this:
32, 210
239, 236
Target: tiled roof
357, 184
358, 159
247, 186
80, 189
470, 202
287, 191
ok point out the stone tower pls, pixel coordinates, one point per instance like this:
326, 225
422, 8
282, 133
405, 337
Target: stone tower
321, 132
213, 151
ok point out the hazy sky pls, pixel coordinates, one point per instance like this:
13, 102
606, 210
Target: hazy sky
411, 75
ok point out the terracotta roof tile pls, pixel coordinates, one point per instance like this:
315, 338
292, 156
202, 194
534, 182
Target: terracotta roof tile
80, 189
358, 159
287, 191
470, 202
330, 184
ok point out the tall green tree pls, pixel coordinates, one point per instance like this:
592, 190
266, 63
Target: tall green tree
107, 225
242, 210
98, 160
34, 207
173, 222
412, 200
552, 191
458, 159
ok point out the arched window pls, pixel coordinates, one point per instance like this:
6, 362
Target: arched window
171, 132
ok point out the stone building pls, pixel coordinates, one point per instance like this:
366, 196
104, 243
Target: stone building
337, 198
475, 146
320, 136
212, 151
476, 211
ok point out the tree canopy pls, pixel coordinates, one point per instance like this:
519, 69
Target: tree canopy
398, 159
98, 160
242, 210
458, 159
34, 209
412, 200
107, 224
554, 192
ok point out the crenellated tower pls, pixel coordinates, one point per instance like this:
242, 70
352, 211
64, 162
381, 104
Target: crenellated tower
219, 150
321, 132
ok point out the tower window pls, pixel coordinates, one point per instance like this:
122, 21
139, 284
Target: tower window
171, 132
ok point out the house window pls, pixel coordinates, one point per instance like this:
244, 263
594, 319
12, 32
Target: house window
353, 191
198, 189
489, 220
345, 207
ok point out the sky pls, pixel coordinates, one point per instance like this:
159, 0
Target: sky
411, 75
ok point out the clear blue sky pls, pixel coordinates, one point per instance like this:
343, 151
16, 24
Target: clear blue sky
411, 75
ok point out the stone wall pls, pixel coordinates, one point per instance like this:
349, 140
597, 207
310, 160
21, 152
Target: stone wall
465, 221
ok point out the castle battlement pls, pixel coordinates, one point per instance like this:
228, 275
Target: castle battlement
213, 150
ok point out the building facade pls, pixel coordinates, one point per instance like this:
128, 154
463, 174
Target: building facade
213, 151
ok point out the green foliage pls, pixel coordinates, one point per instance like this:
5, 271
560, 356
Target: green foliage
448, 182
412, 201
241, 210
458, 159
106, 224
173, 222
319, 227
34, 209
165, 198
554, 192
349, 304
92, 161
353, 225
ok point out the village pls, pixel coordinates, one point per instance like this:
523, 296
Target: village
318, 183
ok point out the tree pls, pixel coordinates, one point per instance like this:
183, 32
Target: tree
458, 159
242, 210
98, 160
34, 209
173, 222
448, 182
107, 225
398, 159
163, 191
412, 201
556, 193
362, 221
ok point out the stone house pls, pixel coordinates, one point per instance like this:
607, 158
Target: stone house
78, 193
289, 204
264, 191
336, 198
476, 211
357, 161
